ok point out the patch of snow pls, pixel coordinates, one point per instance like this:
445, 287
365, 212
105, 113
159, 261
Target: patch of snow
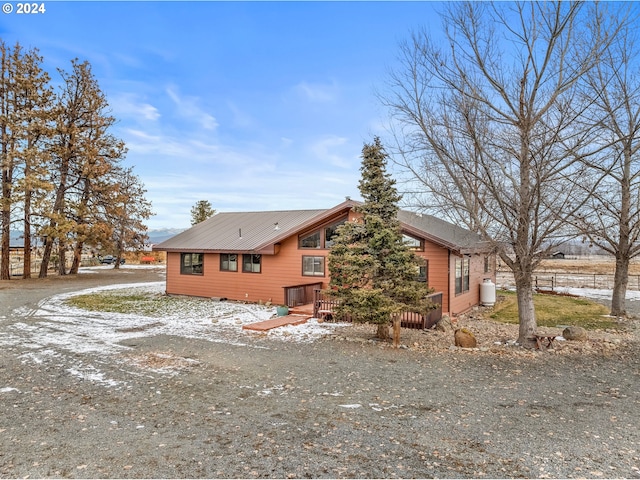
56, 329
9, 389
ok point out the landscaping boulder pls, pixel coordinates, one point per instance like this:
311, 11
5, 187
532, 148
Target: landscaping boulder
464, 338
575, 333
444, 324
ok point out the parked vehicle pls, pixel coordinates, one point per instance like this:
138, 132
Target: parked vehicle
110, 260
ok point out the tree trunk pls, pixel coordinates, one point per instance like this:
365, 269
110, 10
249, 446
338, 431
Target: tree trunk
62, 256
7, 178
620, 281
46, 257
526, 311
382, 331
77, 257
396, 331
26, 270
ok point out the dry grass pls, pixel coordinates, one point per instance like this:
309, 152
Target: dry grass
554, 310
599, 264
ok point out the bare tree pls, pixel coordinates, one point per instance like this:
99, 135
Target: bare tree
611, 218
487, 124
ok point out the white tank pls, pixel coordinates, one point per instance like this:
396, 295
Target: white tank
488, 293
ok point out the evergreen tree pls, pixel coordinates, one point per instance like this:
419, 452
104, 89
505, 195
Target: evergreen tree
373, 272
201, 211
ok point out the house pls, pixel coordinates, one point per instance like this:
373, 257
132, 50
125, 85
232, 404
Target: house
281, 256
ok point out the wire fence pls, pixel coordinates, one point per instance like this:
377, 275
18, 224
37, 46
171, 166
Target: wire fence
553, 280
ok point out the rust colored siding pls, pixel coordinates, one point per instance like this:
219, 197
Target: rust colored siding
281, 270
438, 272
466, 300
284, 269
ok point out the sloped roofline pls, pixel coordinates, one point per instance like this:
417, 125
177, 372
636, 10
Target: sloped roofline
473, 243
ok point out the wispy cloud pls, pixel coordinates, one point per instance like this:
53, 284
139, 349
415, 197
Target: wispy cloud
188, 107
325, 150
316, 92
126, 105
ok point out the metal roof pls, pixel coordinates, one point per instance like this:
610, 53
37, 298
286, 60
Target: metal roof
259, 231
239, 231
442, 232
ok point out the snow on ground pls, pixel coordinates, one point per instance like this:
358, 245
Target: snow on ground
592, 293
54, 331
598, 294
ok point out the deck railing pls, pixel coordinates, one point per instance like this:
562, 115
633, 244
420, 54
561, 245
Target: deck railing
324, 307
297, 295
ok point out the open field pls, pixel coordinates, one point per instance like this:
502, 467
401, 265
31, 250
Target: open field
583, 272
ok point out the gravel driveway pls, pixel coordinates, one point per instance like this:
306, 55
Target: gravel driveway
184, 407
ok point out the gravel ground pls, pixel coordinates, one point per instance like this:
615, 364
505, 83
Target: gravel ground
342, 406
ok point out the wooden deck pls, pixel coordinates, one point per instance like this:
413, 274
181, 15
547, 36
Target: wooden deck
277, 322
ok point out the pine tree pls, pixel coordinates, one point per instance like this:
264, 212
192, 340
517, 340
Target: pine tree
201, 211
373, 272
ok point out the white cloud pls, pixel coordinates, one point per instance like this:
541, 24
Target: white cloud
317, 93
127, 105
188, 108
325, 151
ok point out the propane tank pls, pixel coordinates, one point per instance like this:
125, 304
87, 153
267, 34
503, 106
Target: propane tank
488, 293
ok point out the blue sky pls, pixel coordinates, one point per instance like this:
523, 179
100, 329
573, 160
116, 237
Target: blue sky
250, 105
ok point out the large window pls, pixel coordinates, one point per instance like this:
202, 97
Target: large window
310, 241
330, 232
462, 275
251, 263
313, 266
228, 262
192, 263
321, 238
413, 243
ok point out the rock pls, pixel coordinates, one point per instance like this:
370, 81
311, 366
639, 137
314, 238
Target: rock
575, 333
464, 338
444, 324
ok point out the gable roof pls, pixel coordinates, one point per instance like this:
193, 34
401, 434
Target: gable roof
443, 233
256, 232
259, 232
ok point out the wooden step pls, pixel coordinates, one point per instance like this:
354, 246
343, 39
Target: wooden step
277, 322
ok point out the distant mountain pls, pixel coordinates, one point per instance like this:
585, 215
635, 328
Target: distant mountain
158, 235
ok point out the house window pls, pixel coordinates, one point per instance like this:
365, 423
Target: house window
228, 262
462, 274
310, 241
322, 238
313, 266
330, 233
413, 243
191, 263
423, 273
487, 265
251, 263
